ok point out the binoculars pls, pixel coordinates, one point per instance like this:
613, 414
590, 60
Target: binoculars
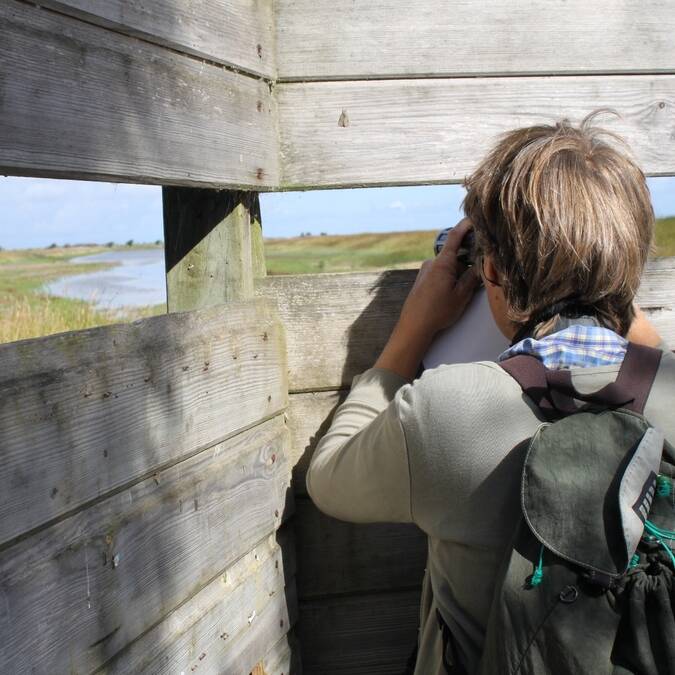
466, 253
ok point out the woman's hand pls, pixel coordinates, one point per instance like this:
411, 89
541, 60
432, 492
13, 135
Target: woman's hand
438, 298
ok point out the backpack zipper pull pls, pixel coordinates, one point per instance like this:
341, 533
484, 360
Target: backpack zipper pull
538, 573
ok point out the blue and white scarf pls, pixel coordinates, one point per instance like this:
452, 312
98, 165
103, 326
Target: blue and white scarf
576, 346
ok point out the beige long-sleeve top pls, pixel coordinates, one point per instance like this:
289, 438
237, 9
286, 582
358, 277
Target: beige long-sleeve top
442, 453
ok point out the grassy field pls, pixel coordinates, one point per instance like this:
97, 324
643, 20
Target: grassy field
26, 311
351, 253
665, 237
347, 253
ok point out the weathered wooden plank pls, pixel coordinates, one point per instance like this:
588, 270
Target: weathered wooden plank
309, 417
359, 635
336, 134
81, 101
335, 557
238, 33
390, 38
657, 290
282, 659
208, 247
227, 625
86, 412
338, 323
76, 593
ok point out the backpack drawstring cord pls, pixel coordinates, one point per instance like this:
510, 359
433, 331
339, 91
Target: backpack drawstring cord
538, 573
660, 535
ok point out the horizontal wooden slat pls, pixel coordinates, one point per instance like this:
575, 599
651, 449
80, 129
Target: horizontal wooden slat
228, 625
86, 412
360, 635
337, 134
75, 594
309, 416
282, 659
80, 101
337, 324
237, 33
392, 38
657, 297
335, 557
657, 290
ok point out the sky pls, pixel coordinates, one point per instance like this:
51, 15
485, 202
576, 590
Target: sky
37, 212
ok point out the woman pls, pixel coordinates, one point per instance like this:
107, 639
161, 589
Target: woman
563, 224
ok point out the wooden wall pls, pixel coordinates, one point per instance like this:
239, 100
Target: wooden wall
413, 93
259, 95
144, 491
162, 92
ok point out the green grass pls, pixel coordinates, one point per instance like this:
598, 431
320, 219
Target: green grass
348, 253
665, 237
26, 311
360, 252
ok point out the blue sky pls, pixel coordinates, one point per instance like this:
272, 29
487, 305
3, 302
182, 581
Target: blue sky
37, 211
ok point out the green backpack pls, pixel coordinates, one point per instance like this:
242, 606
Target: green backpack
587, 585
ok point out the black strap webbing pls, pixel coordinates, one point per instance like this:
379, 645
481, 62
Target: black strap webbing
630, 389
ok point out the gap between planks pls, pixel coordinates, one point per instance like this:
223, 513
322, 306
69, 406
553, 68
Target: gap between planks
150, 39
148, 474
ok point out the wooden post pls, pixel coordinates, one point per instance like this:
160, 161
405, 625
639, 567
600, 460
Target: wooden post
213, 246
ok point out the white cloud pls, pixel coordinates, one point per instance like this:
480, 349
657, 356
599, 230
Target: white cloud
398, 205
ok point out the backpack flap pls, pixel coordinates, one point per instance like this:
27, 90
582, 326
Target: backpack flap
587, 485
637, 488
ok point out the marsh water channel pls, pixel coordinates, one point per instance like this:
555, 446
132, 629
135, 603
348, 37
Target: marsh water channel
135, 278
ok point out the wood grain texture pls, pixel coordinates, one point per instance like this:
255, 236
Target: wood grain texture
362, 635
87, 412
337, 324
392, 38
387, 132
238, 33
309, 417
227, 625
657, 290
80, 101
208, 246
335, 557
283, 658
75, 594
657, 297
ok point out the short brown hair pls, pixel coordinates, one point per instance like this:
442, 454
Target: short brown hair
567, 219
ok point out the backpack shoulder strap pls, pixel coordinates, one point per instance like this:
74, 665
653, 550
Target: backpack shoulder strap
638, 372
630, 389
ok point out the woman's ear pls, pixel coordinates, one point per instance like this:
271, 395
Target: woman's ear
496, 300
490, 274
